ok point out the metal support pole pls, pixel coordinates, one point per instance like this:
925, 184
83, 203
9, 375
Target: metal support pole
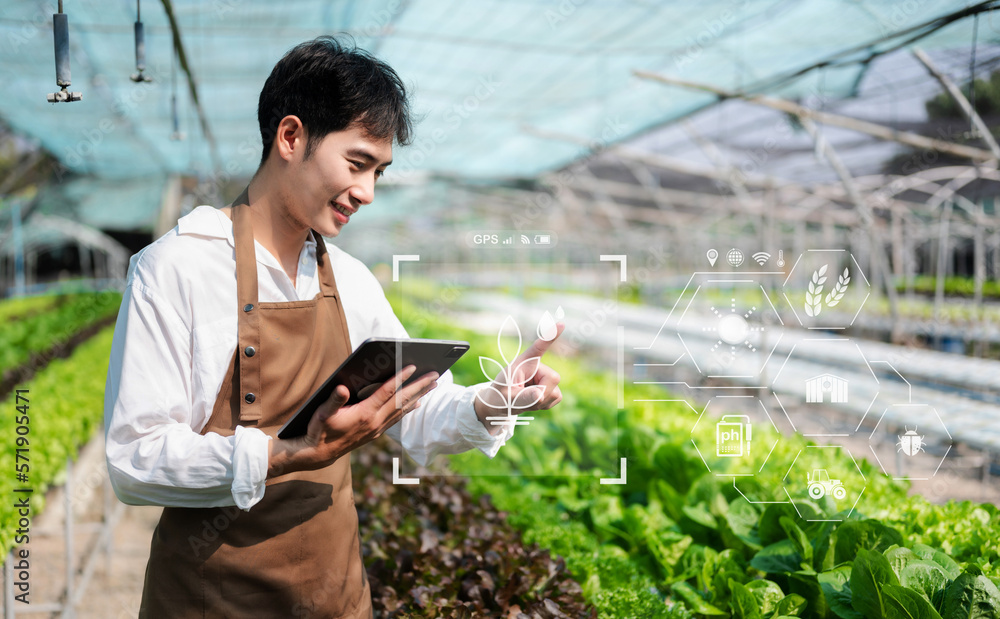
912, 256
108, 506
943, 251
896, 227
30, 262
829, 241
70, 571
86, 260
995, 246
899, 457
19, 282
987, 462
8, 586
866, 217
979, 258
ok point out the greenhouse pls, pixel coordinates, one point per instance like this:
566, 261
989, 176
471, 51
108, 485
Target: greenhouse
514, 309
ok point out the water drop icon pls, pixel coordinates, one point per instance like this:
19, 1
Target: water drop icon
547, 327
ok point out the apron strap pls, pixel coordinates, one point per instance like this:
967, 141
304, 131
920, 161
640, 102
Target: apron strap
248, 325
327, 283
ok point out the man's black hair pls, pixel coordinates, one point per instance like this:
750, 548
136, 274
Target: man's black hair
329, 85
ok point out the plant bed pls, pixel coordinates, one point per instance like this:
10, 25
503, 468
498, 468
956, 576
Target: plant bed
27, 344
954, 286
432, 550
65, 406
681, 541
18, 308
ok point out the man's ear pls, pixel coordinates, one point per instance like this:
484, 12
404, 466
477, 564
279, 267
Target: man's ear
290, 138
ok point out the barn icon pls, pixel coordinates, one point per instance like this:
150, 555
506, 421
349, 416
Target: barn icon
819, 388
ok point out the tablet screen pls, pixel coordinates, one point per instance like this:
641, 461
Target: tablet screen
375, 361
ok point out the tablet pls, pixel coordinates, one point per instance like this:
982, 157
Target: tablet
375, 361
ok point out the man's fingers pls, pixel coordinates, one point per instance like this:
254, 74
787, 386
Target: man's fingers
337, 400
539, 347
403, 376
547, 377
396, 415
412, 406
415, 390
547, 381
340, 396
554, 397
406, 402
547, 399
420, 388
391, 386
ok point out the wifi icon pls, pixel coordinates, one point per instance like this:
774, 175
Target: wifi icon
761, 257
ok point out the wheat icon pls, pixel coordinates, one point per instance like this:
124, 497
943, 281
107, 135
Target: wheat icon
814, 298
839, 290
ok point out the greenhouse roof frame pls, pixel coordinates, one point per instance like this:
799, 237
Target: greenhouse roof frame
495, 73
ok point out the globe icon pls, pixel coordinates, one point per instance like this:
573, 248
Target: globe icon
734, 257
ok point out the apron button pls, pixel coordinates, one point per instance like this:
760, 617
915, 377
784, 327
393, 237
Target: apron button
249, 398
248, 307
250, 351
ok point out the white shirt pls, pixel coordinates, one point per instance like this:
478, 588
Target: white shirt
175, 335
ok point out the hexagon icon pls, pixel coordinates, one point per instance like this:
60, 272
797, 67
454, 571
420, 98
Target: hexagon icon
728, 326
824, 483
918, 441
826, 289
822, 380
732, 438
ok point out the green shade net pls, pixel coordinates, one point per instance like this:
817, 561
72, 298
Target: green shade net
502, 88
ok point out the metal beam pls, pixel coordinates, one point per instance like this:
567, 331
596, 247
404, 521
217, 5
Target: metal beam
829, 192
962, 101
701, 201
827, 118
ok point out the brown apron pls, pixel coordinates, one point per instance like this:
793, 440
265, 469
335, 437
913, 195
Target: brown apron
297, 552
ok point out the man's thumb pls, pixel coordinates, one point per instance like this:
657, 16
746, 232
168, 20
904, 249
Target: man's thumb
338, 399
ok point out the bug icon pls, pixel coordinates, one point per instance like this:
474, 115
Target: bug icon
910, 443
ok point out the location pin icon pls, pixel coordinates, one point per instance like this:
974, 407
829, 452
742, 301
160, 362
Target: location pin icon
712, 256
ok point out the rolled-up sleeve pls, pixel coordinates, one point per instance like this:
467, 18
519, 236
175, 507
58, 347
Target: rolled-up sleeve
154, 454
446, 423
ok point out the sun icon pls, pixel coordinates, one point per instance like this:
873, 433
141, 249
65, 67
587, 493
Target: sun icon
733, 329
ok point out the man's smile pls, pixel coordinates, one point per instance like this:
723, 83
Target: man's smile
344, 212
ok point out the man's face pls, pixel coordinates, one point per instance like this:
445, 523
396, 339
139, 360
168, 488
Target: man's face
339, 177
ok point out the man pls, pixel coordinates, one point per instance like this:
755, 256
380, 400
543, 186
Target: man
231, 320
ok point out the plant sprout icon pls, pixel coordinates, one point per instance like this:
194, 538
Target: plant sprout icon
732, 329
514, 372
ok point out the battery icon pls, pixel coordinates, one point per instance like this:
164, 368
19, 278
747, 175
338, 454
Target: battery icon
732, 436
542, 239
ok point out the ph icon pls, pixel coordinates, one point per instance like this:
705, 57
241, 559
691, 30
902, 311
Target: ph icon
732, 436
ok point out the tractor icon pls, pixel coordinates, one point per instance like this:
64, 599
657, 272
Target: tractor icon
820, 485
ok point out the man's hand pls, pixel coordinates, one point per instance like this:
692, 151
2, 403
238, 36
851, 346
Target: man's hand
526, 384
336, 430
